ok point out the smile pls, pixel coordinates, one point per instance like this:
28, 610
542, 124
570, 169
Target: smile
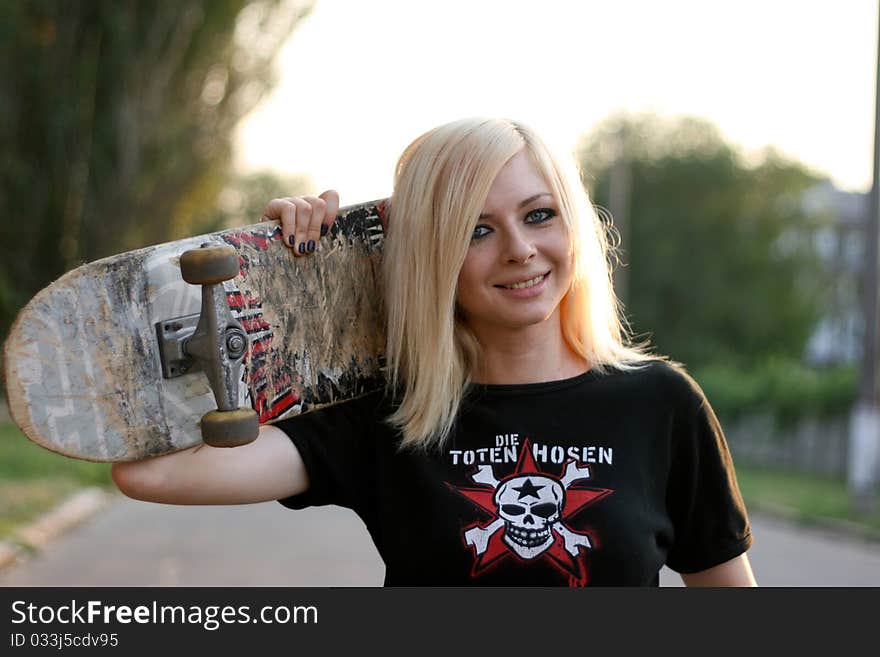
524, 284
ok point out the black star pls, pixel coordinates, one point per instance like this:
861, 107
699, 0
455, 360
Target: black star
528, 489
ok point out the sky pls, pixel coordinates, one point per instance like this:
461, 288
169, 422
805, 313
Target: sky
360, 79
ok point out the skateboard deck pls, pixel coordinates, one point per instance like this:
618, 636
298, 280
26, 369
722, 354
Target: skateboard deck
83, 362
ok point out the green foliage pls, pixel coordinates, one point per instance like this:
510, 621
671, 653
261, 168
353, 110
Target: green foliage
20, 459
717, 252
243, 199
113, 113
783, 388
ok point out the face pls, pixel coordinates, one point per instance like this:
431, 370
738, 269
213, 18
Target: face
518, 268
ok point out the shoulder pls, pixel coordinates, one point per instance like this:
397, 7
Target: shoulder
656, 380
361, 412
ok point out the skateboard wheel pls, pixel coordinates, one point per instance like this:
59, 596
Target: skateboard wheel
230, 428
209, 265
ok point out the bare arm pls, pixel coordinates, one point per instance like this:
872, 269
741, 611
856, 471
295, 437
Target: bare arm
269, 468
736, 572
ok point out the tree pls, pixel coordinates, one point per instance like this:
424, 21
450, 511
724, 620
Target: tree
115, 114
718, 252
243, 199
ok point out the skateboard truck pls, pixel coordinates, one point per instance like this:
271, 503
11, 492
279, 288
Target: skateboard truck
215, 341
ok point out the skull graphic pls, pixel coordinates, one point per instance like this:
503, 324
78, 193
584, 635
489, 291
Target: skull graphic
529, 505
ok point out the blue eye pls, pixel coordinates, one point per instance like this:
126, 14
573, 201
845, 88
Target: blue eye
480, 231
540, 215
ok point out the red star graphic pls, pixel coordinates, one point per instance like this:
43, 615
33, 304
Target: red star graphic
576, 499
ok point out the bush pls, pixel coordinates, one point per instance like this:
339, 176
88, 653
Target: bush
786, 389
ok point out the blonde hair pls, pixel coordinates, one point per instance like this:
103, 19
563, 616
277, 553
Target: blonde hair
441, 184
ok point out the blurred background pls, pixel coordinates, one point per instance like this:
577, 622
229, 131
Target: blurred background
729, 147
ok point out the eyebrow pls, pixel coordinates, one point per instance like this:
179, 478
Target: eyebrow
522, 204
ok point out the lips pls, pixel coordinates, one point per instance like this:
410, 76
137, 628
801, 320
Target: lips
524, 282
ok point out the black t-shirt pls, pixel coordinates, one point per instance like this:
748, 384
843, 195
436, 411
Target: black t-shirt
594, 480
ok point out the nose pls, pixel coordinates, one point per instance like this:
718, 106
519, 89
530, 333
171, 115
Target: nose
518, 247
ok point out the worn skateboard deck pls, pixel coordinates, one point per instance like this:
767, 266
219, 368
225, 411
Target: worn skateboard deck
82, 363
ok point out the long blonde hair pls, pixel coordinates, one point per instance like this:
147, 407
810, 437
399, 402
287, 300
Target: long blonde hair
440, 186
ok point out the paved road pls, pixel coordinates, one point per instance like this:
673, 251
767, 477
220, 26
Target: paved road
139, 544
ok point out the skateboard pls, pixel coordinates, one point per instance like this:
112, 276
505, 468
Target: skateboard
202, 339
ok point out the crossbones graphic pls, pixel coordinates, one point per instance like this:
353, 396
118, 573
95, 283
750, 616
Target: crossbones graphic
530, 509
529, 523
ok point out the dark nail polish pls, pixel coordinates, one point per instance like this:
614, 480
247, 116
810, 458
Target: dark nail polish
290, 240
311, 247
323, 229
302, 247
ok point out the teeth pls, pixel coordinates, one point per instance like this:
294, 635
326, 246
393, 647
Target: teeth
519, 286
527, 537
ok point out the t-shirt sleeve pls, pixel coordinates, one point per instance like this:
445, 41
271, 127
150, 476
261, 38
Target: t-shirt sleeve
703, 498
335, 444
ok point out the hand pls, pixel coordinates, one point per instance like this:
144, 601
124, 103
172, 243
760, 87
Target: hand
304, 219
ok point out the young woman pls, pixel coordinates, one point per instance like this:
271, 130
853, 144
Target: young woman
520, 440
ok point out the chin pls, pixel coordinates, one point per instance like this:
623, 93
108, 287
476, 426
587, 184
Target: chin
527, 321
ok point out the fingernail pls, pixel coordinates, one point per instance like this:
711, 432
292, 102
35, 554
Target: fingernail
290, 240
323, 229
311, 247
302, 247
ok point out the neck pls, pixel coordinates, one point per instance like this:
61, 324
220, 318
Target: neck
527, 357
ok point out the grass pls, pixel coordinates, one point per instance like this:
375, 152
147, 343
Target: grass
22, 459
23, 500
33, 479
811, 499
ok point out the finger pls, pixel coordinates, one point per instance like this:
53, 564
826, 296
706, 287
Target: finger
331, 198
303, 217
283, 210
288, 219
274, 209
313, 233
